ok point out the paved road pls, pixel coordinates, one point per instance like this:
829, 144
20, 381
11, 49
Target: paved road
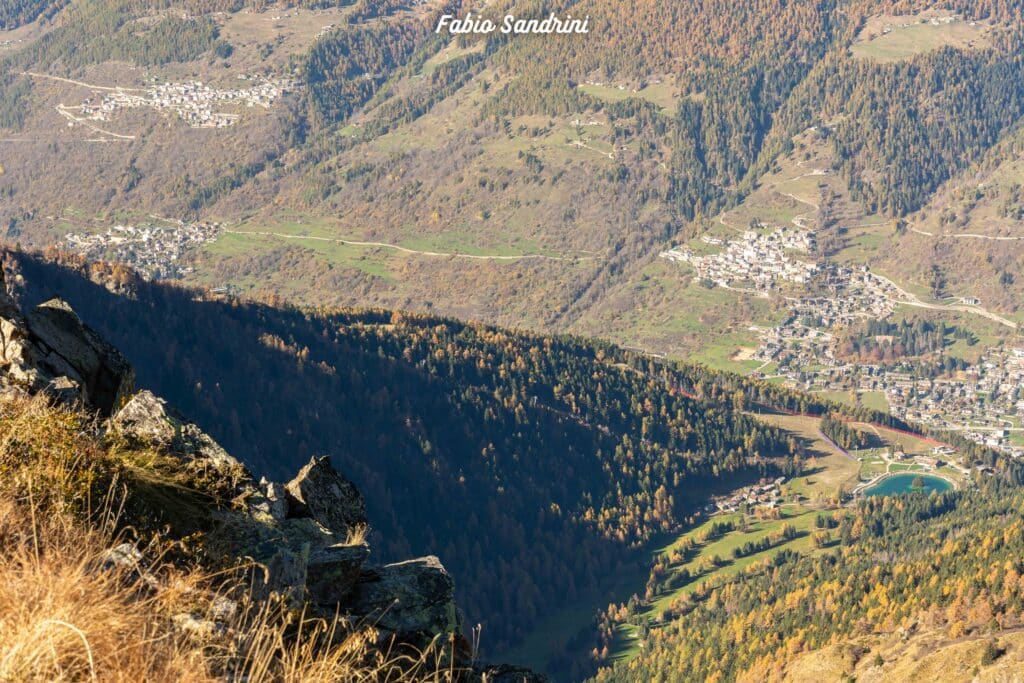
912, 300
968, 235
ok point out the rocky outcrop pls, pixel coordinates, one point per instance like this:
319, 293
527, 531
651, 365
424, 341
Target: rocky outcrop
304, 548
73, 350
415, 598
321, 492
304, 537
148, 419
50, 349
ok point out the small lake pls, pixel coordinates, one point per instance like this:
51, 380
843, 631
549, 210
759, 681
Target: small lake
896, 484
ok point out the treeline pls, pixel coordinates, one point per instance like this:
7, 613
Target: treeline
14, 13
952, 563
493, 449
883, 341
102, 30
843, 435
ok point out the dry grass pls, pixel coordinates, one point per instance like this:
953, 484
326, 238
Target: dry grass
357, 535
68, 613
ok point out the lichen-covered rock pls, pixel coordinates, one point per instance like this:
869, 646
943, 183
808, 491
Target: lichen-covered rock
332, 571
414, 598
321, 492
67, 347
149, 420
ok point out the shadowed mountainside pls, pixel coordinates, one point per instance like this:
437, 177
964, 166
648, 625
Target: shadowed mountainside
493, 449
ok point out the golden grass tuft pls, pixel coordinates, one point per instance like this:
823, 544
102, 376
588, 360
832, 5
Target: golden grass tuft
68, 614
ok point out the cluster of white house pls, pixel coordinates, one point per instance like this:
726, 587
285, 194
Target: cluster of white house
194, 102
756, 261
155, 251
765, 496
985, 403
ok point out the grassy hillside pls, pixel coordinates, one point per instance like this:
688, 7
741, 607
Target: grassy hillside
473, 178
944, 565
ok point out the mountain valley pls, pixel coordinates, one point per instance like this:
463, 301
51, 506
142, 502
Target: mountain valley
627, 328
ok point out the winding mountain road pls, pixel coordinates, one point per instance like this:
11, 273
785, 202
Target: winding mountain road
968, 235
909, 299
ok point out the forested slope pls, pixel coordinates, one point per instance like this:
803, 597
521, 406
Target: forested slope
947, 563
14, 13
496, 450
497, 146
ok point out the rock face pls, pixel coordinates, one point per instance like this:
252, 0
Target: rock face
415, 599
106, 377
148, 419
325, 495
332, 571
50, 349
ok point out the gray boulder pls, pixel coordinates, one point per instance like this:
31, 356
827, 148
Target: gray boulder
149, 420
321, 492
415, 599
67, 347
332, 571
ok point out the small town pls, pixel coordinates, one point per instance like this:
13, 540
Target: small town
193, 101
155, 251
756, 262
984, 402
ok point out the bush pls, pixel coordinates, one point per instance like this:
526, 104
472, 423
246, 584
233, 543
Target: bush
991, 653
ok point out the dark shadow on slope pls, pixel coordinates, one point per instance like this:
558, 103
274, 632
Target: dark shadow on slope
452, 459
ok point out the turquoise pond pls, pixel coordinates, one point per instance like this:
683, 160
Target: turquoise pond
903, 483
